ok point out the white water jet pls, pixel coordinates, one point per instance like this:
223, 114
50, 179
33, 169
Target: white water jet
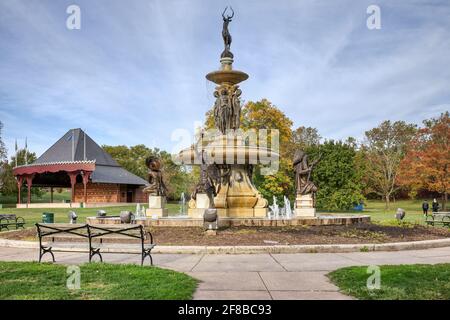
274, 212
287, 208
182, 210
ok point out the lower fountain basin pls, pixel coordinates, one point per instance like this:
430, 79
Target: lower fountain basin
174, 221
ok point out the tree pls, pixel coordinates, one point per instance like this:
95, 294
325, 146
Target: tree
384, 148
304, 137
3, 162
426, 164
264, 115
177, 178
3, 150
279, 184
336, 176
9, 185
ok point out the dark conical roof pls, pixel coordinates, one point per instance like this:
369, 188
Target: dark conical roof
72, 147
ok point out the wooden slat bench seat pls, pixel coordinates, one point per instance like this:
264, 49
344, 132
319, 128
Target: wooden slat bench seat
7, 220
111, 233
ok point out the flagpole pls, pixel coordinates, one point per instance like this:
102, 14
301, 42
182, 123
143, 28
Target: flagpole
26, 151
16, 151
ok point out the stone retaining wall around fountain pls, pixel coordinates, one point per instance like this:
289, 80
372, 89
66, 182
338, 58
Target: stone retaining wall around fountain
241, 222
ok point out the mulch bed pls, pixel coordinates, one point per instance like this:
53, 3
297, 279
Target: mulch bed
360, 233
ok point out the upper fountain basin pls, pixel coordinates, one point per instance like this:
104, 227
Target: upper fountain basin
224, 150
227, 76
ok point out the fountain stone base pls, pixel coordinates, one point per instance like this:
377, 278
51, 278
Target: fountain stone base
173, 221
156, 207
304, 206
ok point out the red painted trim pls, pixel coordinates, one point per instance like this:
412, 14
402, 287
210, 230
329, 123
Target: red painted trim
52, 168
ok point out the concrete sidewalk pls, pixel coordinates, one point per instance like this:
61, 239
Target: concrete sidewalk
256, 276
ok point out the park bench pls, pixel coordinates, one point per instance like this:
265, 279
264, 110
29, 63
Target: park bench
7, 220
92, 233
119, 232
57, 230
442, 218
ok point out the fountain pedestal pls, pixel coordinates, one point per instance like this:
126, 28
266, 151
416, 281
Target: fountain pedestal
198, 206
156, 207
231, 151
304, 206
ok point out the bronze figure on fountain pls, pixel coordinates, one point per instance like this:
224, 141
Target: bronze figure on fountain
303, 169
305, 188
156, 185
227, 108
226, 34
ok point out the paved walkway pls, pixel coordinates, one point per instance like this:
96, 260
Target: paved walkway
257, 276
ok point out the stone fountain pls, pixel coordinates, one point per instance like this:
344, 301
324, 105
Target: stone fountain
225, 194
225, 155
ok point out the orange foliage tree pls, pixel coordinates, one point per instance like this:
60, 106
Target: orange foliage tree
427, 161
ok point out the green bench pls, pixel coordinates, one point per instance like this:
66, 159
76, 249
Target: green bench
9, 220
439, 218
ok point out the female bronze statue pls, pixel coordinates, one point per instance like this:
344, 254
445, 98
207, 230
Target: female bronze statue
303, 169
156, 185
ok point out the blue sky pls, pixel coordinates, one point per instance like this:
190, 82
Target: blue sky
135, 71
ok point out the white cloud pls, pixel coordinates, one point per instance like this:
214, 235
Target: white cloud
135, 72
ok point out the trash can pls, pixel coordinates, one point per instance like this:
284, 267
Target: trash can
48, 217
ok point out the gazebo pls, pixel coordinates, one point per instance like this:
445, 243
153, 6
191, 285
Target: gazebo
78, 162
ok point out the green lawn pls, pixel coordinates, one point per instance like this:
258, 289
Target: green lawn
403, 282
32, 216
45, 198
378, 213
32, 280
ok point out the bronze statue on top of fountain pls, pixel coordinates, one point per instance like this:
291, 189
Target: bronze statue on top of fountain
303, 169
226, 34
156, 185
